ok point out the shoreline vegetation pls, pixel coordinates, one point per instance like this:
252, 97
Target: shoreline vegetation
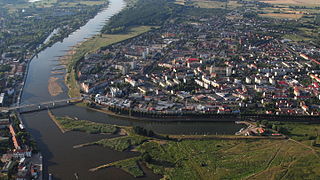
294, 156
178, 156
175, 156
38, 26
54, 119
66, 124
238, 157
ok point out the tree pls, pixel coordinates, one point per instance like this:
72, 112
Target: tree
283, 130
146, 157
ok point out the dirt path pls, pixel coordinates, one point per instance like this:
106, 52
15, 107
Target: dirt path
306, 146
268, 164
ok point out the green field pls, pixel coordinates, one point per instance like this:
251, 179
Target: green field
175, 157
50, 3
302, 132
70, 124
130, 165
215, 159
213, 4
225, 158
122, 143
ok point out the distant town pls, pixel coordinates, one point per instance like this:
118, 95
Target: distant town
230, 65
28, 28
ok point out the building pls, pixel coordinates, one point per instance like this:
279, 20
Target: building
2, 99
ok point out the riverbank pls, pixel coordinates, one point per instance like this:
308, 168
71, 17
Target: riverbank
91, 45
200, 117
230, 157
39, 44
176, 155
71, 124
53, 144
54, 119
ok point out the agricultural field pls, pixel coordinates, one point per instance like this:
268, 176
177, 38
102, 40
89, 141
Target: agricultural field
294, 2
283, 16
290, 9
50, 3
211, 4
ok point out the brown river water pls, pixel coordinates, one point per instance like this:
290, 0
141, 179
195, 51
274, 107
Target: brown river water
60, 158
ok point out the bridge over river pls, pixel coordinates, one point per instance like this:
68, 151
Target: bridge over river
25, 108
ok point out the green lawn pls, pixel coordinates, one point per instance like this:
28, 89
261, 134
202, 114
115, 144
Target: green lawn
229, 159
131, 166
222, 158
71, 124
303, 132
122, 143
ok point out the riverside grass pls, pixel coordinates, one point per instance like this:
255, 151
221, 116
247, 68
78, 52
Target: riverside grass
122, 143
232, 158
251, 158
130, 165
70, 124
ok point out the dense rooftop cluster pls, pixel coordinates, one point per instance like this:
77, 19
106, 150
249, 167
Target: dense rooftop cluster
221, 65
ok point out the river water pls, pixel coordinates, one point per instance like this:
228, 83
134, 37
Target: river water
60, 158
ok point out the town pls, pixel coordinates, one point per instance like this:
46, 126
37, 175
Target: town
28, 28
231, 65
20, 158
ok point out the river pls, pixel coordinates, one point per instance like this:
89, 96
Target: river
60, 158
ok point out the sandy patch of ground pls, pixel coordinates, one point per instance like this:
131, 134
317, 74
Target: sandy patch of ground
122, 132
57, 72
53, 86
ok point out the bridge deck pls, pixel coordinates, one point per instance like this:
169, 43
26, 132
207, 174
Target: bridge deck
40, 104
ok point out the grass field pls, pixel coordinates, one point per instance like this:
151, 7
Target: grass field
122, 143
211, 4
282, 15
70, 124
92, 45
229, 159
225, 158
294, 2
302, 132
130, 165
50, 3
222, 158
